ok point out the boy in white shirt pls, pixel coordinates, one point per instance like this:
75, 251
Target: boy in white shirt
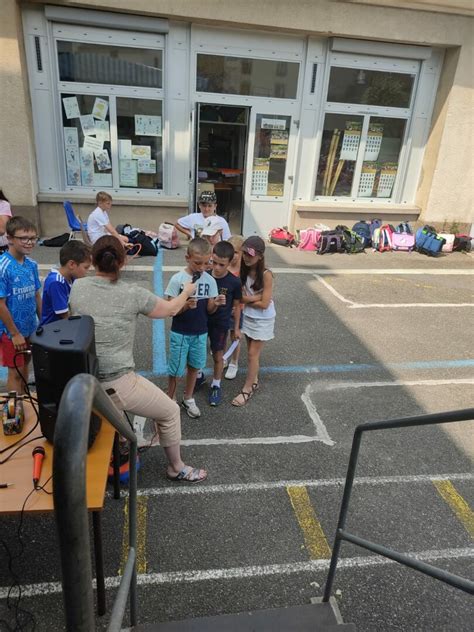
193, 224
98, 222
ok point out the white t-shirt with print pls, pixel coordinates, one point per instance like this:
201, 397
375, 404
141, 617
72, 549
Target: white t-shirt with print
96, 224
197, 220
5, 209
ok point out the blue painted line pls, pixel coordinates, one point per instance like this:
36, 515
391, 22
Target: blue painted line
3, 373
160, 364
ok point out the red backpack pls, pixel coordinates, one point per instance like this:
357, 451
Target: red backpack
281, 237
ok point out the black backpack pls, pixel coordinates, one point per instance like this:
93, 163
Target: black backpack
56, 242
149, 246
331, 241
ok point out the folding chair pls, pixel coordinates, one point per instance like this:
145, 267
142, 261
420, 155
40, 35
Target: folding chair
75, 225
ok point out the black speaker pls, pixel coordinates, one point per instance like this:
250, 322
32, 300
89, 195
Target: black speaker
60, 351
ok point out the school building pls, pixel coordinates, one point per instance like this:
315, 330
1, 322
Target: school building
292, 112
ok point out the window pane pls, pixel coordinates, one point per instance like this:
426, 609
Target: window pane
117, 65
270, 154
139, 130
370, 87
86, 130
339, 150
382, 151
250, 77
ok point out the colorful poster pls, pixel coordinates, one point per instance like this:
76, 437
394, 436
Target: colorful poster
269, 123
260, 171
373, 142
146, 125
102, 160
128, 173
96, 144
146, 166
88, 125
87, 167
141, 152
279, 137
71, 107
275, 189
278, 152
125, 149
71, 137
100, 109
367, 179
351, 140
102, 130
102, 179
387, 177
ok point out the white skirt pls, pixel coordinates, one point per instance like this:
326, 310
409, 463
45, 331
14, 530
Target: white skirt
258, 328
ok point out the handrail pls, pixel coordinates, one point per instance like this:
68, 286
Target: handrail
341, 534
82, 394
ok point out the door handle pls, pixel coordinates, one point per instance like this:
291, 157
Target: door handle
291, 178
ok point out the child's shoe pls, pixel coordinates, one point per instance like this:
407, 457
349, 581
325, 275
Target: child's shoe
200, 380
231, 372
191, 409
215, 395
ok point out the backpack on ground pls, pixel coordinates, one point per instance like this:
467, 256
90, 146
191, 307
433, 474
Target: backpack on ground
385, 238
428, 242
149, 246
448, 242
363, 230
404, 228
281, 237
309, 239
352, 242
375, 224
56, 242
331, 241
403, 241
462, 242
168, 236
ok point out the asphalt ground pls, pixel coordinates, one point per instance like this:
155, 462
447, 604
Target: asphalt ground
358, 338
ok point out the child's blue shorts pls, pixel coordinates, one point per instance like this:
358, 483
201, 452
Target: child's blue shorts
186, 350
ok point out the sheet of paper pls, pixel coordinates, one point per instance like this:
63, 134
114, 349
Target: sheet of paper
260, 179
102, 160
87, 124
102, 179
387, 178
146, 166
128, 173
72, 156
71, 107
73, 175
100, 109
141, 152
373, 142
367, 180
125, 149
87, 167
71, 137
96, 144
231, 350
268, 123
146, 125
102, 130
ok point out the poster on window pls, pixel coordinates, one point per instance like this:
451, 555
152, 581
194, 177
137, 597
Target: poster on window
102, 130
275, 189
71, 107
261, 167
71, 137
73, 175
100, 109
146, 125
367, 179
102, 179
90, 142
87, 167
278, 152
88, 125
279, 137
373, 142
146, 166
351, 140
268, 123
141, 152
128, 173
125, 149
102, 160
387, 177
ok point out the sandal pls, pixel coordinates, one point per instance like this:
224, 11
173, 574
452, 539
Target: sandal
188, 475
245, 396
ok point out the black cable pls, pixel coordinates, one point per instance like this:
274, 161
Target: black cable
20, 447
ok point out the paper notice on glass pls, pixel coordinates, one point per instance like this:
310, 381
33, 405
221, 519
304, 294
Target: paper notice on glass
73, 175
268, 123
141, 152
96, 144
125, 149
71, 137
261, 167
128, 173
278, 152
279, 137
100, 109
72, 156
367, 179
102, 160
146, 166
230, 350
275, 189
388, 174
87, 167
373, 142
147, 125
102, 130
71, 107
102, 179
351, 140
88, 125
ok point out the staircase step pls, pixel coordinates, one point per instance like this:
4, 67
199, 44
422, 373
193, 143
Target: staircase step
317, 617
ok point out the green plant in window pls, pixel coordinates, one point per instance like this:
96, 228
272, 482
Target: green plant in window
386, 90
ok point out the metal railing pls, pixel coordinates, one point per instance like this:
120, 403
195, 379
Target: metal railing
82, 394
341, 534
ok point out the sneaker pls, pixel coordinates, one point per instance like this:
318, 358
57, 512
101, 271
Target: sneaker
215, 395
200, 380
191, 409
231, 372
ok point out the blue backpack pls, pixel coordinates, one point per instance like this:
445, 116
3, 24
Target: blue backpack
363, 230
427, 242
374, 225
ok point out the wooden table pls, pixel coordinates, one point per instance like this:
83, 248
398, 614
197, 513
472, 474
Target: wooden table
19, 472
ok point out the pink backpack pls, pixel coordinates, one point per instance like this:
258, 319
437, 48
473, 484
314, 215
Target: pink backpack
309, 239
403, 241
168, 236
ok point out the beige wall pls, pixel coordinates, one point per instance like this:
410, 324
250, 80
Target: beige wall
443, 193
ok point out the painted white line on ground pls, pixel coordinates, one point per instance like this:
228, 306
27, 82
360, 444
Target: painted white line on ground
339, 385
237, 488
246, 572
251, 440
334, 292
321, 430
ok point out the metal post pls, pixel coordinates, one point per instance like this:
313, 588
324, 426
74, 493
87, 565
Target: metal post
132, 529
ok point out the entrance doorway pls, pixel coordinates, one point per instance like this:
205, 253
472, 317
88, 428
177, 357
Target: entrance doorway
221, 149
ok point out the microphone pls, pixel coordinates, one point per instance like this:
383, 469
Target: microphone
38, 456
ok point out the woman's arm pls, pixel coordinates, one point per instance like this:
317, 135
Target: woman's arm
266, 296
3, 223
172, 306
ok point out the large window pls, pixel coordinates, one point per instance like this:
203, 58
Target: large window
370, 87
247, 76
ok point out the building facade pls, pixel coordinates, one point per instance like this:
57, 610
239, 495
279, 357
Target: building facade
293, 113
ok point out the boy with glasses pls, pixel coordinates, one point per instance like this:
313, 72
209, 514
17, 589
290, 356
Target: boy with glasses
20, 300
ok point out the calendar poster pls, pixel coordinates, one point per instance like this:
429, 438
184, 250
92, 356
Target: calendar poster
367, 179
275, 189
351, 140
261, 167
388, 174
373, 142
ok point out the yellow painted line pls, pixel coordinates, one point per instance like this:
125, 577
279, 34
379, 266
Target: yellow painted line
314, 537
141, 535
461, 509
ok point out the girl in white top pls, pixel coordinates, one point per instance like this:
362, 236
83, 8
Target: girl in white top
258, 313
5, 214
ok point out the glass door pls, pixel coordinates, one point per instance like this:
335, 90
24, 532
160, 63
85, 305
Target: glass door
270, 176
